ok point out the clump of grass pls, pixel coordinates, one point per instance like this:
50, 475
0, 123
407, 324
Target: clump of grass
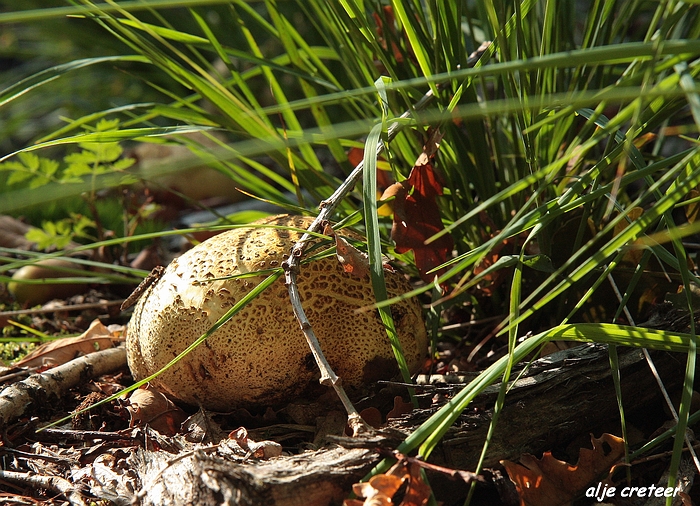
572, 141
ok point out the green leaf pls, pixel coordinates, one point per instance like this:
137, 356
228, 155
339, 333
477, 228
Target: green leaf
17, 176
74, 171
540, 263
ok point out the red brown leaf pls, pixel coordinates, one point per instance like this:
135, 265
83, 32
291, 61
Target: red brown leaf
353, 261
417, 216
551, 482
384, 178
149, 406
418, 492
381, 489
400, 408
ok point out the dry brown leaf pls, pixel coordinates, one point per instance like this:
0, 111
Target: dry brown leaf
149, 406
489, 282
417, 216
201, 428
372, 416
632, 256
354, 261
551, 482
96, 338
380, 489
260, 450
382, 484
418, 492
400, 408
692, 211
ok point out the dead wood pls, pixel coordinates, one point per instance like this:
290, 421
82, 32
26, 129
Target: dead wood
49, 386
54, 483
315, 478
563, 396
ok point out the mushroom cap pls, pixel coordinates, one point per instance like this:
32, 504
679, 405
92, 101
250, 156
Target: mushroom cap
260, 357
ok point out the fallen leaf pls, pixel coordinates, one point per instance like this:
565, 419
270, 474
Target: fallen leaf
381, 489
632, 255
201, 428
417, 216
418, 492
261, 450
372, 416
354, 261
692, 211
400, 408
97, 337
149, 406
551, 482
388, 29
382, 486
384, 177
489, 282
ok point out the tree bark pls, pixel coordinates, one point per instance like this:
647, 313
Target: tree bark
564, 395
315, 478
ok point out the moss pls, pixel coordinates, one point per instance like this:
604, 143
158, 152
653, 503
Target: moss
11, 351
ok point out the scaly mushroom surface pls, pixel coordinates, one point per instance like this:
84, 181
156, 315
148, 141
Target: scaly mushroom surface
260, 357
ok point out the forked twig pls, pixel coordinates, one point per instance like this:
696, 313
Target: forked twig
291, 265
291, 270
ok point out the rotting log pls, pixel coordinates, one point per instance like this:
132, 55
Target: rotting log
564, 395
314, 478
561, 397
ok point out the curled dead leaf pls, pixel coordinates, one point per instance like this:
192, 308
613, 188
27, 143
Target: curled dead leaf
354, 261
552, 482
381, 489
260, 450
148, 406
400, 408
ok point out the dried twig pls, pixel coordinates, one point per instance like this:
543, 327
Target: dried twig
291, 270
56, 309
41, 388
55, 483
84, 435
36, 456
291, 265
466, 476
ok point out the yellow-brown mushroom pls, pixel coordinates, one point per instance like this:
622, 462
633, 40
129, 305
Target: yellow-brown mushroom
260, 357
48, 271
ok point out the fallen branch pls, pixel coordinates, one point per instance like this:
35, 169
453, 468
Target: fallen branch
54, 483
62, 307
316, 478
42, 388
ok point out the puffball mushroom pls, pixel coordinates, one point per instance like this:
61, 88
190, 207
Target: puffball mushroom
260, 357
32, 294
